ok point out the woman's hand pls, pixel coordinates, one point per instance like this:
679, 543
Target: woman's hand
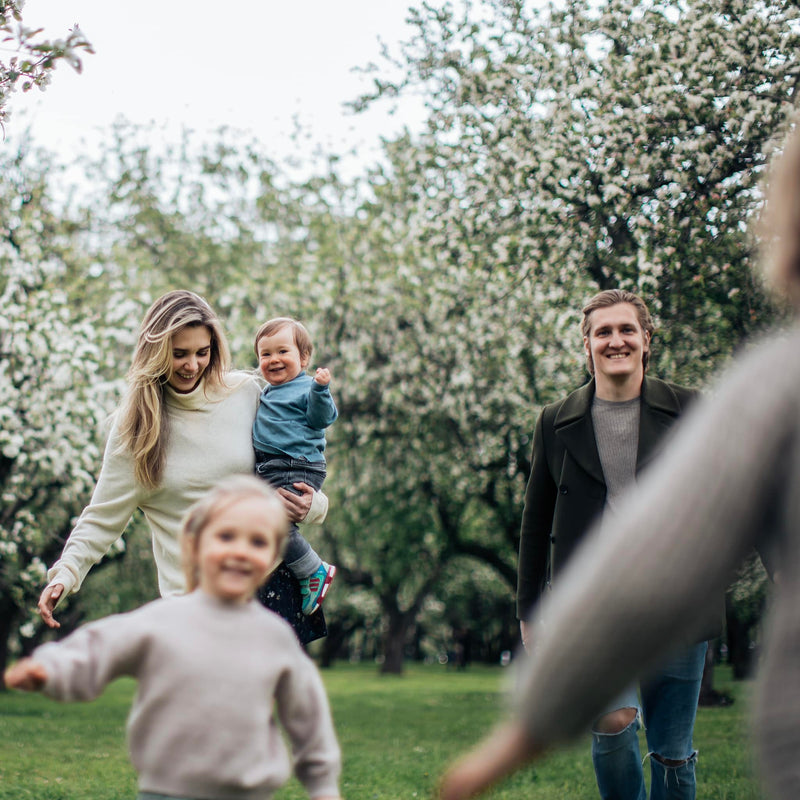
504, 751
26, 674
47, 604
296, 505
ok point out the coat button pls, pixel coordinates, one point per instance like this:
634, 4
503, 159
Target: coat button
563, 490
552, 538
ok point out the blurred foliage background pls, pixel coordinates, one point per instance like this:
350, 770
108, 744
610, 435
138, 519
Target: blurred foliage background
567, 149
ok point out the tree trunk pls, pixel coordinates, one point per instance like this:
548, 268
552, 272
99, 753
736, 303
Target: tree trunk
338, 634
8, 617
394, 641
738, 635
709, 696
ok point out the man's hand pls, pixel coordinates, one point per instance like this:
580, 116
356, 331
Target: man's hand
525, 631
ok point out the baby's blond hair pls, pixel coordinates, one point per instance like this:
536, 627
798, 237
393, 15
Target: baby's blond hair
302, 338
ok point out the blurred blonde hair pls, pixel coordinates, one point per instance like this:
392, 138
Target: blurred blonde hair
779, 225
144, 428
228, 492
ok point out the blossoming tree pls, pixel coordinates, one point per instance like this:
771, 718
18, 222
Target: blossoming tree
35, 58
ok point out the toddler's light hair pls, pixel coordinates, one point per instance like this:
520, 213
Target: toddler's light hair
215, 502
302, 338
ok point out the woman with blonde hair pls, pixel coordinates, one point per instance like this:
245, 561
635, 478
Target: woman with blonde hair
644, 578
185, 423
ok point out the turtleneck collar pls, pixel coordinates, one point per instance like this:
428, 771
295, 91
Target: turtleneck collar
195, 399
200, 396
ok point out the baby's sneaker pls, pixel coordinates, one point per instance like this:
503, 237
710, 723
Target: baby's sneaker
314, 588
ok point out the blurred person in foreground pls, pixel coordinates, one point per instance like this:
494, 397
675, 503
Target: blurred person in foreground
729, 481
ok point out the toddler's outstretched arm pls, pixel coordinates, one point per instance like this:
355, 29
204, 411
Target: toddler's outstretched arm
27, 675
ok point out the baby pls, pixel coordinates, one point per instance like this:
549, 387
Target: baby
289, 437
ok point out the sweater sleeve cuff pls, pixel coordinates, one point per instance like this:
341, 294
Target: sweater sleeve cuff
60, 574
319, 509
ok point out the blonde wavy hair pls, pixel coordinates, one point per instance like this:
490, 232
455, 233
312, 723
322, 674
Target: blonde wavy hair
779, 226
227, 492
144, 427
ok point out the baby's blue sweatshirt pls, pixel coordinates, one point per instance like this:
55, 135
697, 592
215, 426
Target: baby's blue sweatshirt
292, 417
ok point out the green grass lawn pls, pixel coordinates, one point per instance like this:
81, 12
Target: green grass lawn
397, 735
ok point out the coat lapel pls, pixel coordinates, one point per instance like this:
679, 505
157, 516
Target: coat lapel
573, 424
660, 407
573, 427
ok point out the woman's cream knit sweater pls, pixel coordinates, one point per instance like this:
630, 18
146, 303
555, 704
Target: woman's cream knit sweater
210, 438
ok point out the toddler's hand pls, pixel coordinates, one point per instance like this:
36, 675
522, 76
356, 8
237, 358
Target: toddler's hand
26, 674
322, 376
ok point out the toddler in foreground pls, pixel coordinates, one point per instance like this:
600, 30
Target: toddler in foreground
289, 437
211, 666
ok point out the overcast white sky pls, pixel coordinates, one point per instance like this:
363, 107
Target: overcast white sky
254, 65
